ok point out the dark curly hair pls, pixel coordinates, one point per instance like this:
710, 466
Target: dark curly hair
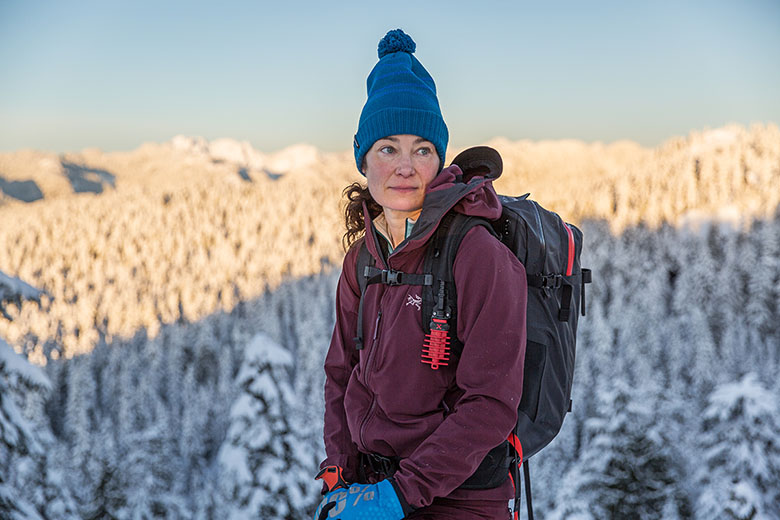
355, 194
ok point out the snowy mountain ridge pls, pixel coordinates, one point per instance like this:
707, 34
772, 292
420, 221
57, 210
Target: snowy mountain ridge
242, 154
708, 168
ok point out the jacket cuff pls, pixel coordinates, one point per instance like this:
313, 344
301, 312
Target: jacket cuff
407, 508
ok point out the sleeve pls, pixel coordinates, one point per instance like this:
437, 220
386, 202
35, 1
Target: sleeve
339, 363
492, 298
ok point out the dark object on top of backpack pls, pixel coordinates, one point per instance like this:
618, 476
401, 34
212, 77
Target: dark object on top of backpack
550, 249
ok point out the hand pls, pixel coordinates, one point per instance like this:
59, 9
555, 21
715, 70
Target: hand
333, 478
360, 501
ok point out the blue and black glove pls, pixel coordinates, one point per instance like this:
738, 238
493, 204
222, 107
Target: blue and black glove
381, 501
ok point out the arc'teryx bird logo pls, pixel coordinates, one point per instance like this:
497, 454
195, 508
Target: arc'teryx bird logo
415, 300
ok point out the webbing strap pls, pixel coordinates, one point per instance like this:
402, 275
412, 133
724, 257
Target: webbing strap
550, 282
565, 311
515, 476
393, 277
553, 281
587, 277
359, 338
527, 479
374, 275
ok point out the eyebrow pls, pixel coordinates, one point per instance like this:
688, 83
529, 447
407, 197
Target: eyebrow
395, 140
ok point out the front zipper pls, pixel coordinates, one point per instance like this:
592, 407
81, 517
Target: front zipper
365, 421
374, 346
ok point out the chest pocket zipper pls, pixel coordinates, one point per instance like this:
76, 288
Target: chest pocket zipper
376, 327
372, 350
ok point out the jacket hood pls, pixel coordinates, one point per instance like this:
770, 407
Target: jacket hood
475, 198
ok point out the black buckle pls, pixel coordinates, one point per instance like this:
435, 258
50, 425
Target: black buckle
554, 281
382, 466
390, 277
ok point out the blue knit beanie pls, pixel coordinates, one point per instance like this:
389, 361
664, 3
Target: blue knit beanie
401, 99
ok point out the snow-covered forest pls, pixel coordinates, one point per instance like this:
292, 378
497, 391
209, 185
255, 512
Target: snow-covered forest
173, 359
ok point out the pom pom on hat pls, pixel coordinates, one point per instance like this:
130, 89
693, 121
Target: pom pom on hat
395, 41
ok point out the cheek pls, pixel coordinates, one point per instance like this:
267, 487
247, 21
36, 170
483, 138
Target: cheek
372, 188
374, 181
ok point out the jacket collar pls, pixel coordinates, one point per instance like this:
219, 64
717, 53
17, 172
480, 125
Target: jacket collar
380, 223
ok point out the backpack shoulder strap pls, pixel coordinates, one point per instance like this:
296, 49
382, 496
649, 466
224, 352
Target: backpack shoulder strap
363, 263
441, 298
364, 259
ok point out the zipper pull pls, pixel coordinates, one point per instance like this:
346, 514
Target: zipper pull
376, 324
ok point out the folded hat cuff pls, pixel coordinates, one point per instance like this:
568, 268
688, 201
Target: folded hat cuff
398, 121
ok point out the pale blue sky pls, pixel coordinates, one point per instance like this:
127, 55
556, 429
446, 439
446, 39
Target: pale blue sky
111, 74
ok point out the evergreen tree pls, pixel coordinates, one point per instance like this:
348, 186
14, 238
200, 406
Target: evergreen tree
81, 415
18, 440
28, 488
741, 446
626, 470
266, 469
547, 466
104, 491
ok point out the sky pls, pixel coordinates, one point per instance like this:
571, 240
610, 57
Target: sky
113, 75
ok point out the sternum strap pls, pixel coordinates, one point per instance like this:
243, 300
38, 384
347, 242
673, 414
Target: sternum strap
374, 275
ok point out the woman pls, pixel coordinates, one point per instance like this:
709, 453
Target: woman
402, 438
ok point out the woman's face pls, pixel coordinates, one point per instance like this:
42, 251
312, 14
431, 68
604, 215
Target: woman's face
398, 169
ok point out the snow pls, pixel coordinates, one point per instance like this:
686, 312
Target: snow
21, 509
260, 469
715, 138
241, 153
295, 157
192, 145
17, 366
747, 394
13, 288
237, 152
727, 217
263, 350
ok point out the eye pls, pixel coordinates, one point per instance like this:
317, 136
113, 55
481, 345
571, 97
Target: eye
387, 149
425, 151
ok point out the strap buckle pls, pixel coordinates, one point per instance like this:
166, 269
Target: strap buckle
554, 281
391, 277
381, 465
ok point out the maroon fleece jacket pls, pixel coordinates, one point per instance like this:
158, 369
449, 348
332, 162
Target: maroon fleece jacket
384, 400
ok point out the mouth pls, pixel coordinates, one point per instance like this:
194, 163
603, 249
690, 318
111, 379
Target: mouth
403, 188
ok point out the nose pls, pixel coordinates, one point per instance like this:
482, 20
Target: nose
404, 166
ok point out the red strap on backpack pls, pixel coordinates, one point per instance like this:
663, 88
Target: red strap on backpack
515, 442
570, 262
